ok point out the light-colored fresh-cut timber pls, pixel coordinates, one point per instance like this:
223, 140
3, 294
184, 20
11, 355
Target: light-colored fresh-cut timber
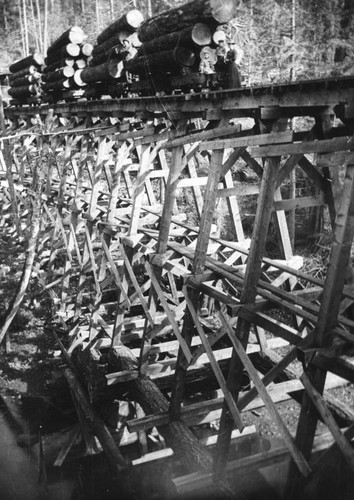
86, 49
103, 72
253, 140
184, 16
170, 61
74, 35
30, 70
197, 35
130, 22
115, 40
324, 146
35, 59
80, 64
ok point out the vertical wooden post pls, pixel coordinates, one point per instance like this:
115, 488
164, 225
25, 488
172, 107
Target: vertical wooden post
329, 309
248, 294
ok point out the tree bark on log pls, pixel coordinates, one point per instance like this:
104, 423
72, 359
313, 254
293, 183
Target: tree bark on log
24, 91
208, 11
71, 49
106, 71
129, 22
60, 63
113, 41
198, 35
57, 85
26, 80
30, 70
74, 35
169, 61
59, 74
35, 59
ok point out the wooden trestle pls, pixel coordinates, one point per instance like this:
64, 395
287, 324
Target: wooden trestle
127, 261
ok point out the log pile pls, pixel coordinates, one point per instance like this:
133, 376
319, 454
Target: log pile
177, 40
115, 45
25, 79
65, 55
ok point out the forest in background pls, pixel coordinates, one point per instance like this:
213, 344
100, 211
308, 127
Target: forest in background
283, 40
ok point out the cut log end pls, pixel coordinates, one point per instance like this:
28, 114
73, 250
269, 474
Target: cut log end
223, 10
184, 56
201, 34
134, 18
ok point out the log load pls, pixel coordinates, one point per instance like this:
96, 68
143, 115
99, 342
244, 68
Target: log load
130, 22
169, 61
35, 59
57, 85
118, 52
73, 35
205, 11
115, 40
194, 36
60, 63
26, 80
103, 72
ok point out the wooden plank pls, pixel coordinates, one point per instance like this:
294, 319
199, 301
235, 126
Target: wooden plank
318, 401
203, 135
295, 453
322, 146
298, 203
216, 369
253, 140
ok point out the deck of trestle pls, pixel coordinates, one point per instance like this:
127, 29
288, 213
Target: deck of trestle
134, 252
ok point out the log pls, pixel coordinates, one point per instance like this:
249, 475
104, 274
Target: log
35, 59
110, 69
129, 22
30, 70
60, 63
57, 85
113, 454
113, 41
169, 61
177, 435
73, 35
80, 64
118, 52
205, 11
198, 35
26, 80
71, 49
24, 91
86, 49
59, 74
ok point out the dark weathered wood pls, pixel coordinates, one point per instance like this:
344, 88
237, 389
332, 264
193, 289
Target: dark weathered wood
30, 70
26, 80
35, 59
215, 11
114, 41
60, 63
105, 71
71, 50
24, 91
59, 74
194, 36
74, 35
170, 61
130, 22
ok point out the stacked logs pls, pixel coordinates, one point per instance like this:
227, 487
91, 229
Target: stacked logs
115, 45
173, 41
25, 79
66, 55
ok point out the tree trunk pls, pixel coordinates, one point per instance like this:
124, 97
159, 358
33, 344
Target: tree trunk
31, 70
209, 11
24, 91
169, 61
57, 85
111, 69
59, 74
130, 22
72, 35
197, 35
71, 49
114, 41
35, 59
25, 81
60, 63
